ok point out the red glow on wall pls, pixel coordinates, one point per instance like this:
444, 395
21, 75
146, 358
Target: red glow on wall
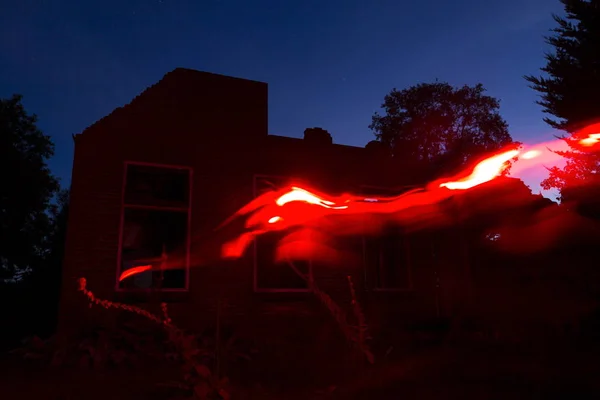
315, 216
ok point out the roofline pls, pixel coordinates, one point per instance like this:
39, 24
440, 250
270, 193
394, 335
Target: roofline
218, 75
161, 81
298, 139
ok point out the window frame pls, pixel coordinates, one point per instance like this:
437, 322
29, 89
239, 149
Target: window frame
255, 286
371, 271
123, 206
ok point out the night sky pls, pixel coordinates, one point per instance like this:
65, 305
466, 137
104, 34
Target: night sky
329, 63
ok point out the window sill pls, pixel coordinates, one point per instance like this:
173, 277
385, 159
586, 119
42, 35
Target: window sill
145, 296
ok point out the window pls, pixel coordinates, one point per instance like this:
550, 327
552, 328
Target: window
387, 255
387, 260
155, 226
271, 276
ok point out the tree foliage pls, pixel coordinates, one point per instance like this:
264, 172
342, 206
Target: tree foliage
438, 124
570, 88
26, 192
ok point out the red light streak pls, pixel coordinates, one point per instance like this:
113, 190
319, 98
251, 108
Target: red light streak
485, 171
273, 220
134, 271
593, 139
296, 207
531, 154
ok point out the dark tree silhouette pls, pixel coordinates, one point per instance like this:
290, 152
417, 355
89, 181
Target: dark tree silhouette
45, 279
58, 233
438, 124
30, 306
570, 90
26, 191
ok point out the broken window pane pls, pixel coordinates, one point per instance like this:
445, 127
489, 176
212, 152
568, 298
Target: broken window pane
387, 253
156, 186
147, 236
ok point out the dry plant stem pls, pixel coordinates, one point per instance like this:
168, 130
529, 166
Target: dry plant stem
218, 339
185, 347
356, 335
165, 321
358, 313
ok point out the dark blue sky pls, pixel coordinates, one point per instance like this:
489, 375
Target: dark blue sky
328, 63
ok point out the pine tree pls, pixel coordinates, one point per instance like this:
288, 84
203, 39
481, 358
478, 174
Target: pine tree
570, 92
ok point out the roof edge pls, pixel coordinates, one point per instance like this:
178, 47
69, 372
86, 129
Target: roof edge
168, 75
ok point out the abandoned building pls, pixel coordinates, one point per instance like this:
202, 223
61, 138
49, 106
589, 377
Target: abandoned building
158, 175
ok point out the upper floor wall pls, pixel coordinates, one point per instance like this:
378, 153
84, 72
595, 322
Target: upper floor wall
188, 109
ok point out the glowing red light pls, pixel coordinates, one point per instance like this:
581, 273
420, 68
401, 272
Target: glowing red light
134, 271
303, 208
483, 172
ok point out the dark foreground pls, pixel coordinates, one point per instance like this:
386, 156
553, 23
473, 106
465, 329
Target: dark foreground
473, 371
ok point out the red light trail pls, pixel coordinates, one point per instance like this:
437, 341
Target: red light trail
305, 208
